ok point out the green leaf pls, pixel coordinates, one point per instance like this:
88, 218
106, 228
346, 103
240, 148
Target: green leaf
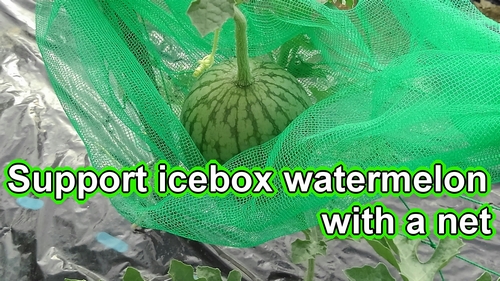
368, 273
180, 271
209, 273
343, 239
303, 250
132, 274
208, 15
382, 248
411, 268
234, 276
486, 277
391, 245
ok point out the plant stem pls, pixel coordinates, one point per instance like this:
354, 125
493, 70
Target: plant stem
244, 77
310, 270
215, 42
311, 262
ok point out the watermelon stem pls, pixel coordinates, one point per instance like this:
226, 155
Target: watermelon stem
244, 76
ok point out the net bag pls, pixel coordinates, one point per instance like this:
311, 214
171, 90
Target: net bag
391, 83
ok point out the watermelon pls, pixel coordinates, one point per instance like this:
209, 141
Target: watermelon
241, 103
224, 118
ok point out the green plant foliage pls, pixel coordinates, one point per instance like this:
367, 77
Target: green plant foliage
401, 252
209, 15
412, 269
486, 277
180, 271
368, 273
208, 273
132, 274
386, 249
304, 250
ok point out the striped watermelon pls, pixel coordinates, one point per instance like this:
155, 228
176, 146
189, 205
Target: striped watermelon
224, 118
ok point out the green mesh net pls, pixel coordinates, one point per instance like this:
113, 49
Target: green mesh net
394, 83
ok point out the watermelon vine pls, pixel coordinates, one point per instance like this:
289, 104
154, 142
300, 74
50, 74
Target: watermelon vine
242, 102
